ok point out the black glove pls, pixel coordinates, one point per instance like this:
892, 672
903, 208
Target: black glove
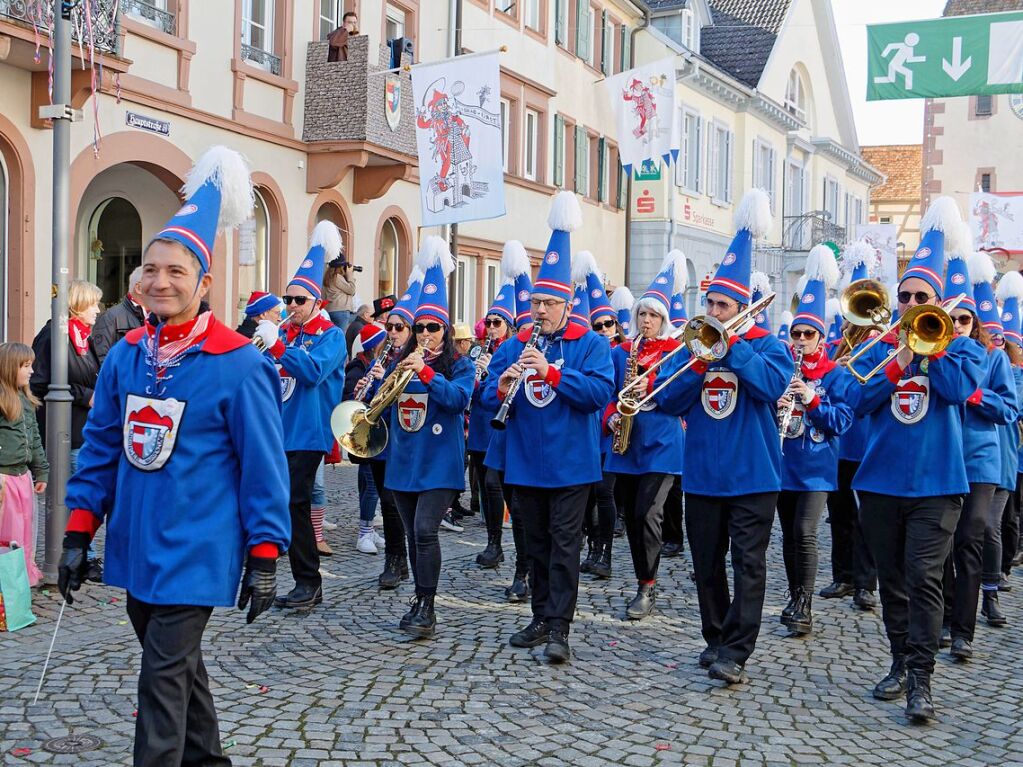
74, 565
260, 584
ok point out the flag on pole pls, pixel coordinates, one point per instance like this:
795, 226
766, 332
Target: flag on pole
458, 137
643, 100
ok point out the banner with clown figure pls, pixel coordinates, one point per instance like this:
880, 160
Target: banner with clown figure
643, 100
458, 138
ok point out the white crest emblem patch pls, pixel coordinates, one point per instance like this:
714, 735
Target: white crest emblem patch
151, 430
187, 210
412, 411
287, 385
797, 424
910, 399
720, 392
538, 391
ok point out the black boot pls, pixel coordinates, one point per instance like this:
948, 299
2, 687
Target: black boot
801, 621
671, 550
519, 589
423, 621
532, 635
601, 567
557, 649
1004, 584
406, 619
592, 554
864, 599
787, 610
990, 610
619, 526
893, 686
643, 603
492, 555
300, 597
837, 590
395, 571
945, 640
919, 706
962, 649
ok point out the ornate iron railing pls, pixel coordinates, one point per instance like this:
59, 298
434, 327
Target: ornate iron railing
802, 232
90, 19
161, 18
263, 58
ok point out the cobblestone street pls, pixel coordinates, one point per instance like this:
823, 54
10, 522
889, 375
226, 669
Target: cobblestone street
341, 686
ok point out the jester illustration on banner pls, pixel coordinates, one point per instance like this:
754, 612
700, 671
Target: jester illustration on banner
996, 219
458, 137
643, 100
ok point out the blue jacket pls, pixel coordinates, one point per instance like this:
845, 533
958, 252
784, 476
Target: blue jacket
657, 443
311, 362
1010, 437
480, 431
190, 480
552, 431
811, 449
853, 442
426, 431
915, 441
992, 405
730, 407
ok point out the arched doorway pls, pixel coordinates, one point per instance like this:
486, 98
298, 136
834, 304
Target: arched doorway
4, 208
392, 256
115, 247
254, 251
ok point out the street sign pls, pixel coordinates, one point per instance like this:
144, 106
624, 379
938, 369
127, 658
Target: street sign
953, 56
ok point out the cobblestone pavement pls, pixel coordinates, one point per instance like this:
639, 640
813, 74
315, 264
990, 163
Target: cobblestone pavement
341, 686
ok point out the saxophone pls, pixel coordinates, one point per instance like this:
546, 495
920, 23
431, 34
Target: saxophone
785, 413
623, 435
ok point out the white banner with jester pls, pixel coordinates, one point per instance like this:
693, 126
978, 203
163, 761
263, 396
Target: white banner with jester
643, 100
996, 220
458, 137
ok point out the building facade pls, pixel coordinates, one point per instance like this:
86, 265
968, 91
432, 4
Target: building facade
177, 76
897, 200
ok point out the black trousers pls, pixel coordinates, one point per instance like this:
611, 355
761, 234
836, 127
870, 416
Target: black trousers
394, 530
851, 561
498, 496
961, 579
1011, 526
800, 514
421, 514
910, 539
176, 722
553, 521
601, 510
644, 496
671, 530
730, 624
303, 554
991, 564
477, 485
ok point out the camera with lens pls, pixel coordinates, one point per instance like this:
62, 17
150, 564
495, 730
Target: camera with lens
340, 262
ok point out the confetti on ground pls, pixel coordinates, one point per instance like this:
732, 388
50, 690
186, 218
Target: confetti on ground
249, 686
264, 688
122, 623
135, 713
671, 665
612, 644
229, 744
662, 747
21, 751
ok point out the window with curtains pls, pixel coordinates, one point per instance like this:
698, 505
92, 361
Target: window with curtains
559, 151
531, 145
689, 168
795, 189
720, 163
533, 17
832, 196
763, 168
258, 34
505, 132
582, 162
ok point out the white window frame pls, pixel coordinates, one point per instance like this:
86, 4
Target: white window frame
160, 5
492, 284
508, 7
832, 195
464, 289
531, 15
689, 172
721, 157
688, 21
764, 164
506, 111
395, 15
531, 145
793, 105
794, 202
333, 21
267, 28
586, 164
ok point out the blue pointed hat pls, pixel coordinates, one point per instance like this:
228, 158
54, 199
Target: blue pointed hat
679, 317
583, 264
1009, 292
760, 285
406, 306
621, 302
504, 303
856, 260
834, 315
784, 325
580, 314
671, 279
515, 267
555, 275
957, 273
982, 276
324, 246
940, 226
218, 195
752, 220
435, 260
821, 275
600, 306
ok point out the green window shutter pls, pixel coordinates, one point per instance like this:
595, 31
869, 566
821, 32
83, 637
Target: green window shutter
605, 49
580, 161
559, 150
560, 17
626, 61
623, 185
601, 160
583, 29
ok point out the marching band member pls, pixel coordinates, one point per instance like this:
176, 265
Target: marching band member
732, 465
833, 314
814, 412
621, 301
912, 479
783, 326
852, 568
551, 448
427, 433
760, 285
310, 352
182, 457
672, 536
260, 306
646, 465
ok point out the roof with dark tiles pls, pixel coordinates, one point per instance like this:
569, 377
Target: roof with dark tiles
968, 7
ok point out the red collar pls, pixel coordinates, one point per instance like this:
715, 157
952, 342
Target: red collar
573, 332
653, 345
219, 338
755, 332
313, 327
822, 364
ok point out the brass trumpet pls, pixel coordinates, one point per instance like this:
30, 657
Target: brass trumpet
705, 338
928, 329
864, 305
258, 342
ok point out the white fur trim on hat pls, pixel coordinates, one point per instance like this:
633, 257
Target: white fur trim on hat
786, 317
226, 170
760, 283
676, 260
859, 253
583, 264
565, 215
943, 216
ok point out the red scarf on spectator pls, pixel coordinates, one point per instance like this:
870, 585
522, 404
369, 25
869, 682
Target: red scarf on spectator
79, 333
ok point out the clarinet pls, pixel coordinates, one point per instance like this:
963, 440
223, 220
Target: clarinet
359, 395
499, 421
785, 413
481, 372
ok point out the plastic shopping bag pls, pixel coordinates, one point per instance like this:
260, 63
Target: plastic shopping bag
17, 596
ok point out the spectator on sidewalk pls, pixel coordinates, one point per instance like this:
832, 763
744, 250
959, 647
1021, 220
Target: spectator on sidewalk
115, 322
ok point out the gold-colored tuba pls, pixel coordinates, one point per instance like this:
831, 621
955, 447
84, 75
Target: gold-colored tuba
864, 305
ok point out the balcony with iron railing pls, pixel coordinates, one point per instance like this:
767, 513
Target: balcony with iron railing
802, 232
262, 59
98, 27
145, 11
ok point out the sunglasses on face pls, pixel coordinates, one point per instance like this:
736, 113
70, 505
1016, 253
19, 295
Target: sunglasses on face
920, 296
429, 327
809, 335
495, 323
598, 326
296, 300
395, 327
964, 319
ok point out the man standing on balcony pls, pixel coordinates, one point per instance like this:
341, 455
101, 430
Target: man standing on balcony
338, 39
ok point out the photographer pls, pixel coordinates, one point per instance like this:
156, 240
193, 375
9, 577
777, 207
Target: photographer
339, 291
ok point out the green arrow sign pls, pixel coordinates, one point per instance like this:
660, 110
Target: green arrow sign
954, 56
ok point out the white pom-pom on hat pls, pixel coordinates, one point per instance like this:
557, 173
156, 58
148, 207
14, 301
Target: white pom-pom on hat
1010, 286
943, 216
514, 260
786, 317
433, 251
981, 268
565, 215
676, 261
821, 265
583, 264
227, 170
832, 309
327, 235
416, 275
754, 213
859, 253
760, 283
622, 298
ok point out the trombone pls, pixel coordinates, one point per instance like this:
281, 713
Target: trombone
706, 339
864, 305
928, 329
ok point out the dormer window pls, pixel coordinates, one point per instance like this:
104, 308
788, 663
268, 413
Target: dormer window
795, 96
683, 27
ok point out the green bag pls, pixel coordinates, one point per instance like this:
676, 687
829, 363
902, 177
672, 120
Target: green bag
15, 589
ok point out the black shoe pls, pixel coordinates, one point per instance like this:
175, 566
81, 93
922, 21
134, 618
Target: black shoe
864, 599
643, 603
707, 657
1004, 584
448, 522
671, 550
619, 527
601, 567
557, 649
423, 622
532, 635
406, 619
787, 610
961, 649
990, 609
519, 589
727, 671
301, 596
893, 686
946, 637
837, 590
492, 555
592, 552
95, 571
395, 571
801, 622
919, 706
1017, 560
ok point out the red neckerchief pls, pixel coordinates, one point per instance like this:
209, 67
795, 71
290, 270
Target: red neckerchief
817, 365
313, 327
79, 333
651, 349
175, 339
